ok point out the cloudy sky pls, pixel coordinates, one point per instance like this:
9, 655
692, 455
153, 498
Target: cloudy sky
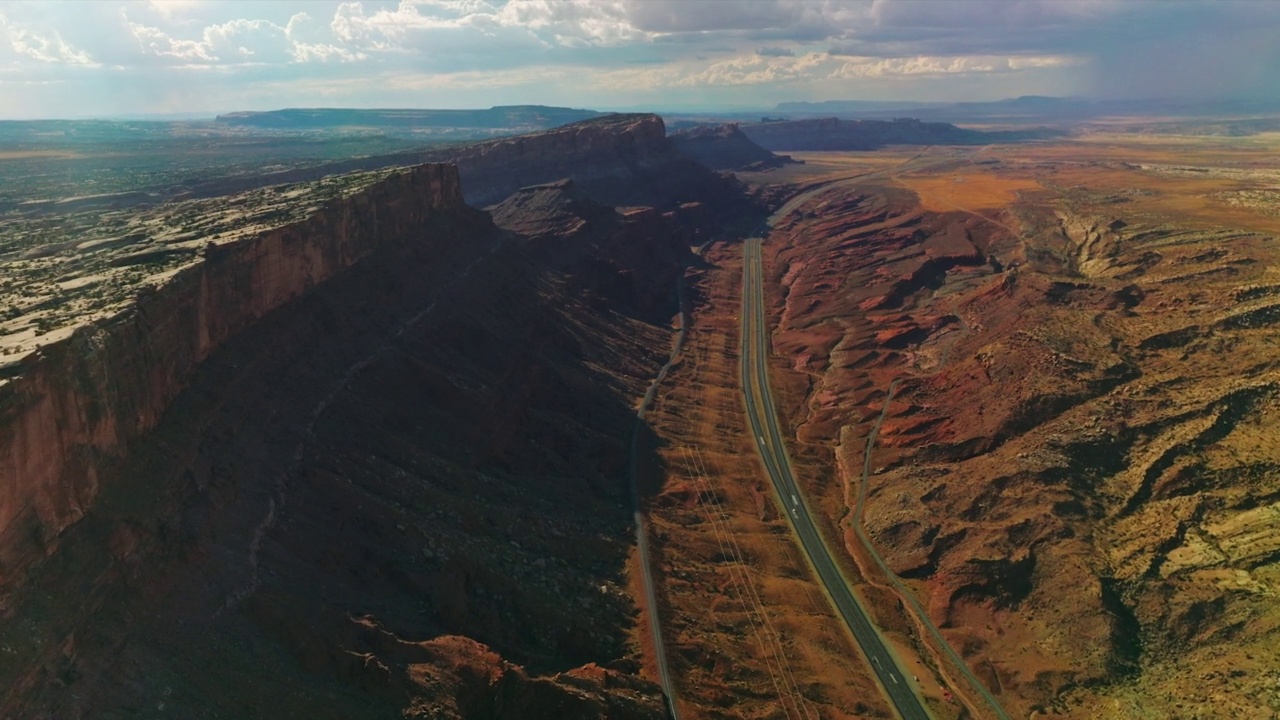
114, 57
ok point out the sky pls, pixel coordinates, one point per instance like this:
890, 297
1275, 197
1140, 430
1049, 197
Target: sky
102, 58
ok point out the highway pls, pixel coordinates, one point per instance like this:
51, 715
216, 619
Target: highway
762, 417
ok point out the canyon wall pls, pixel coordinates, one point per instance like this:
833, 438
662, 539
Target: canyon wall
624, 159
76, 404
613, 146
836, 134
724, 147
402, 493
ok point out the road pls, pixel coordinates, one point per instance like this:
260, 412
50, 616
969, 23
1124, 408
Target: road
909, 599
976, 696
762, 416
642, 534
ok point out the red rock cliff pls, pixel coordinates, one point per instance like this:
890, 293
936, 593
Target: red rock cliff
615, 146
79, 402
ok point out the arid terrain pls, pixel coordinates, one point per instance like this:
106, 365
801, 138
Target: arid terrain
343, 448
1066, 352
324, 444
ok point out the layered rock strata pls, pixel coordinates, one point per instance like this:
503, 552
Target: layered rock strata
78, 403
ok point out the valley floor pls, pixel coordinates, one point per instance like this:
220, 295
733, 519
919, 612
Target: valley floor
1072, 349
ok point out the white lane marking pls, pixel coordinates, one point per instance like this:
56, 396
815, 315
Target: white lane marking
876, 660
894, 678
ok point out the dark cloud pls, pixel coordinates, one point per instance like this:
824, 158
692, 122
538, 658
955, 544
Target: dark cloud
159, 54
680, 16
1132, 48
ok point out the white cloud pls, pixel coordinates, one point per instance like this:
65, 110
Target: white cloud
157, 42
174, 10
631, 52
514, 28
852, 68
243, 41
815, 67
311, 41
45, 46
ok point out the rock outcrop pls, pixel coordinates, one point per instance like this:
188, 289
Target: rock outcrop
375, 453
400, 494
78, 403
632, 256
620, 160
624, 159
836, 134
725, 147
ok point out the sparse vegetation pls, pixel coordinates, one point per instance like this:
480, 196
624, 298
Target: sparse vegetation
61, 267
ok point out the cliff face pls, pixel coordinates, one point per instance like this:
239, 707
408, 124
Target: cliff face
375, 500
377, 455
493, 169
611, 152
78, 403
724, 147
616, 146
632, 257
621, 160
837, 134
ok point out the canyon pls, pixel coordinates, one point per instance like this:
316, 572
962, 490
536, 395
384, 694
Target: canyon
358, 439
373, 443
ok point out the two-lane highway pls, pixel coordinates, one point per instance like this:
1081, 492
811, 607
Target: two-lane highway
762, 417
637, 510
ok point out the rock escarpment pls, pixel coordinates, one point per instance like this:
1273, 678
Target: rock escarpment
621, 160
613, 148
368, 463
77, 404
631, 255
725, 147
836, 134
376, 500
624, 159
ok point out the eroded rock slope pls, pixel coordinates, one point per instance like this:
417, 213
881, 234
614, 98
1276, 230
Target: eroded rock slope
1074, 471
365, 464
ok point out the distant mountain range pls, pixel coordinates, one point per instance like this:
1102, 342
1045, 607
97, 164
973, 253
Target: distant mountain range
835, 134
505, 117
1029, 108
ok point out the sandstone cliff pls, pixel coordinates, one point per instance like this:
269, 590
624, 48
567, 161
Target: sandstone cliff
836, 134
631, 256
331, 452
613, 146
374, 501
616, 159
78, 403
725, 147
